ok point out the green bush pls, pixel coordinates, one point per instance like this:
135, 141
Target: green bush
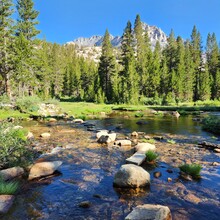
139, 115
211, 124
151, 156
28, 103
191, 169
150, 101
8, 188
13, 150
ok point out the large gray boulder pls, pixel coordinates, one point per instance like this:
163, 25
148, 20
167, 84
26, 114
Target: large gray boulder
131, 176
11, 173
6, 202
150, 212
43, 169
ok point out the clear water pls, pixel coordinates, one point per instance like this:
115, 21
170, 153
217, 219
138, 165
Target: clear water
88, 170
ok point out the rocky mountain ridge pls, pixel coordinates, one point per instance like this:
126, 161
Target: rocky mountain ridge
91, 47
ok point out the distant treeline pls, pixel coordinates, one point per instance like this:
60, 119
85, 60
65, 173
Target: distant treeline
180, 72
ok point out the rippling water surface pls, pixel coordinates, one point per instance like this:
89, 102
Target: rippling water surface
88, 169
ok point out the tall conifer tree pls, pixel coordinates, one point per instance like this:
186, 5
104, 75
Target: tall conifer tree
107, 69
129, 77
6, 39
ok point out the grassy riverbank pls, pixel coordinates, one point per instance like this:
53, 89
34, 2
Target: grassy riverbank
86, 109
7, 113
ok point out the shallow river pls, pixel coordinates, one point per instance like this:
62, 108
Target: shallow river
88, 170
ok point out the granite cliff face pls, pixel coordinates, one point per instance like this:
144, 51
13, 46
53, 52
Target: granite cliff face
155, 34
91, 47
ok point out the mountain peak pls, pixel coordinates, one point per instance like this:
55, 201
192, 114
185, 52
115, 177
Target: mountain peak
155, 34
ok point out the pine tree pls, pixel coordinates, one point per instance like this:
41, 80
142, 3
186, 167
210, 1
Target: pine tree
155, 71
196, 52
107, 69
204, 88
27, 19
6, 44
25, 46
188, 80
212, 54
143, 55
129, 81
170, 54
180, 69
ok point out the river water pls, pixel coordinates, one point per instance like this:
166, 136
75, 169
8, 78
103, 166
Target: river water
88, 170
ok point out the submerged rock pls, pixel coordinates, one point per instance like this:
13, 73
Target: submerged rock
11, 173
6, 201
43, 169
157, 174
150, 212
131, 176
85, 204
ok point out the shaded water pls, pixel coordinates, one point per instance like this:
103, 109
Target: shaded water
88, 170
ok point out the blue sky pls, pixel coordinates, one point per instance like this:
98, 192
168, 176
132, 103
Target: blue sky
64, 20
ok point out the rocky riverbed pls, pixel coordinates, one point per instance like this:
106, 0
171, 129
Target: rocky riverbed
83, 187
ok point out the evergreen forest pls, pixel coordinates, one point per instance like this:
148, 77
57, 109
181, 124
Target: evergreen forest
182, 71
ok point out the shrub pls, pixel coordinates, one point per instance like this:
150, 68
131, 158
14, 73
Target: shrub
191, 169
150, 101
8, 188
151, 156
28, 104
139, 114
13, 143
211, 124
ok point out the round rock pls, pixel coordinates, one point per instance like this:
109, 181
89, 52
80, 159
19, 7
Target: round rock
131, 176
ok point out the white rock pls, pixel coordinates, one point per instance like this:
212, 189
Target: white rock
144, 147
150, 212
6, 202
11, 173
78, 120
123, 142
56, 150
45, 135
131, 176
30, 136
105, 137
137, 158
101, 133
43, 169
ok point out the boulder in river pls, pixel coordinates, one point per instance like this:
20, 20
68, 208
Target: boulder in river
131, 176
105, 138
11, 173
150, 212
43, 169
45, 135
6, 202
144, 147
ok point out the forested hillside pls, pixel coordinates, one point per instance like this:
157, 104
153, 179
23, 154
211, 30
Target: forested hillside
183, 71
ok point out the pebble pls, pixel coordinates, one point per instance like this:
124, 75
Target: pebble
157, 174
85, 204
